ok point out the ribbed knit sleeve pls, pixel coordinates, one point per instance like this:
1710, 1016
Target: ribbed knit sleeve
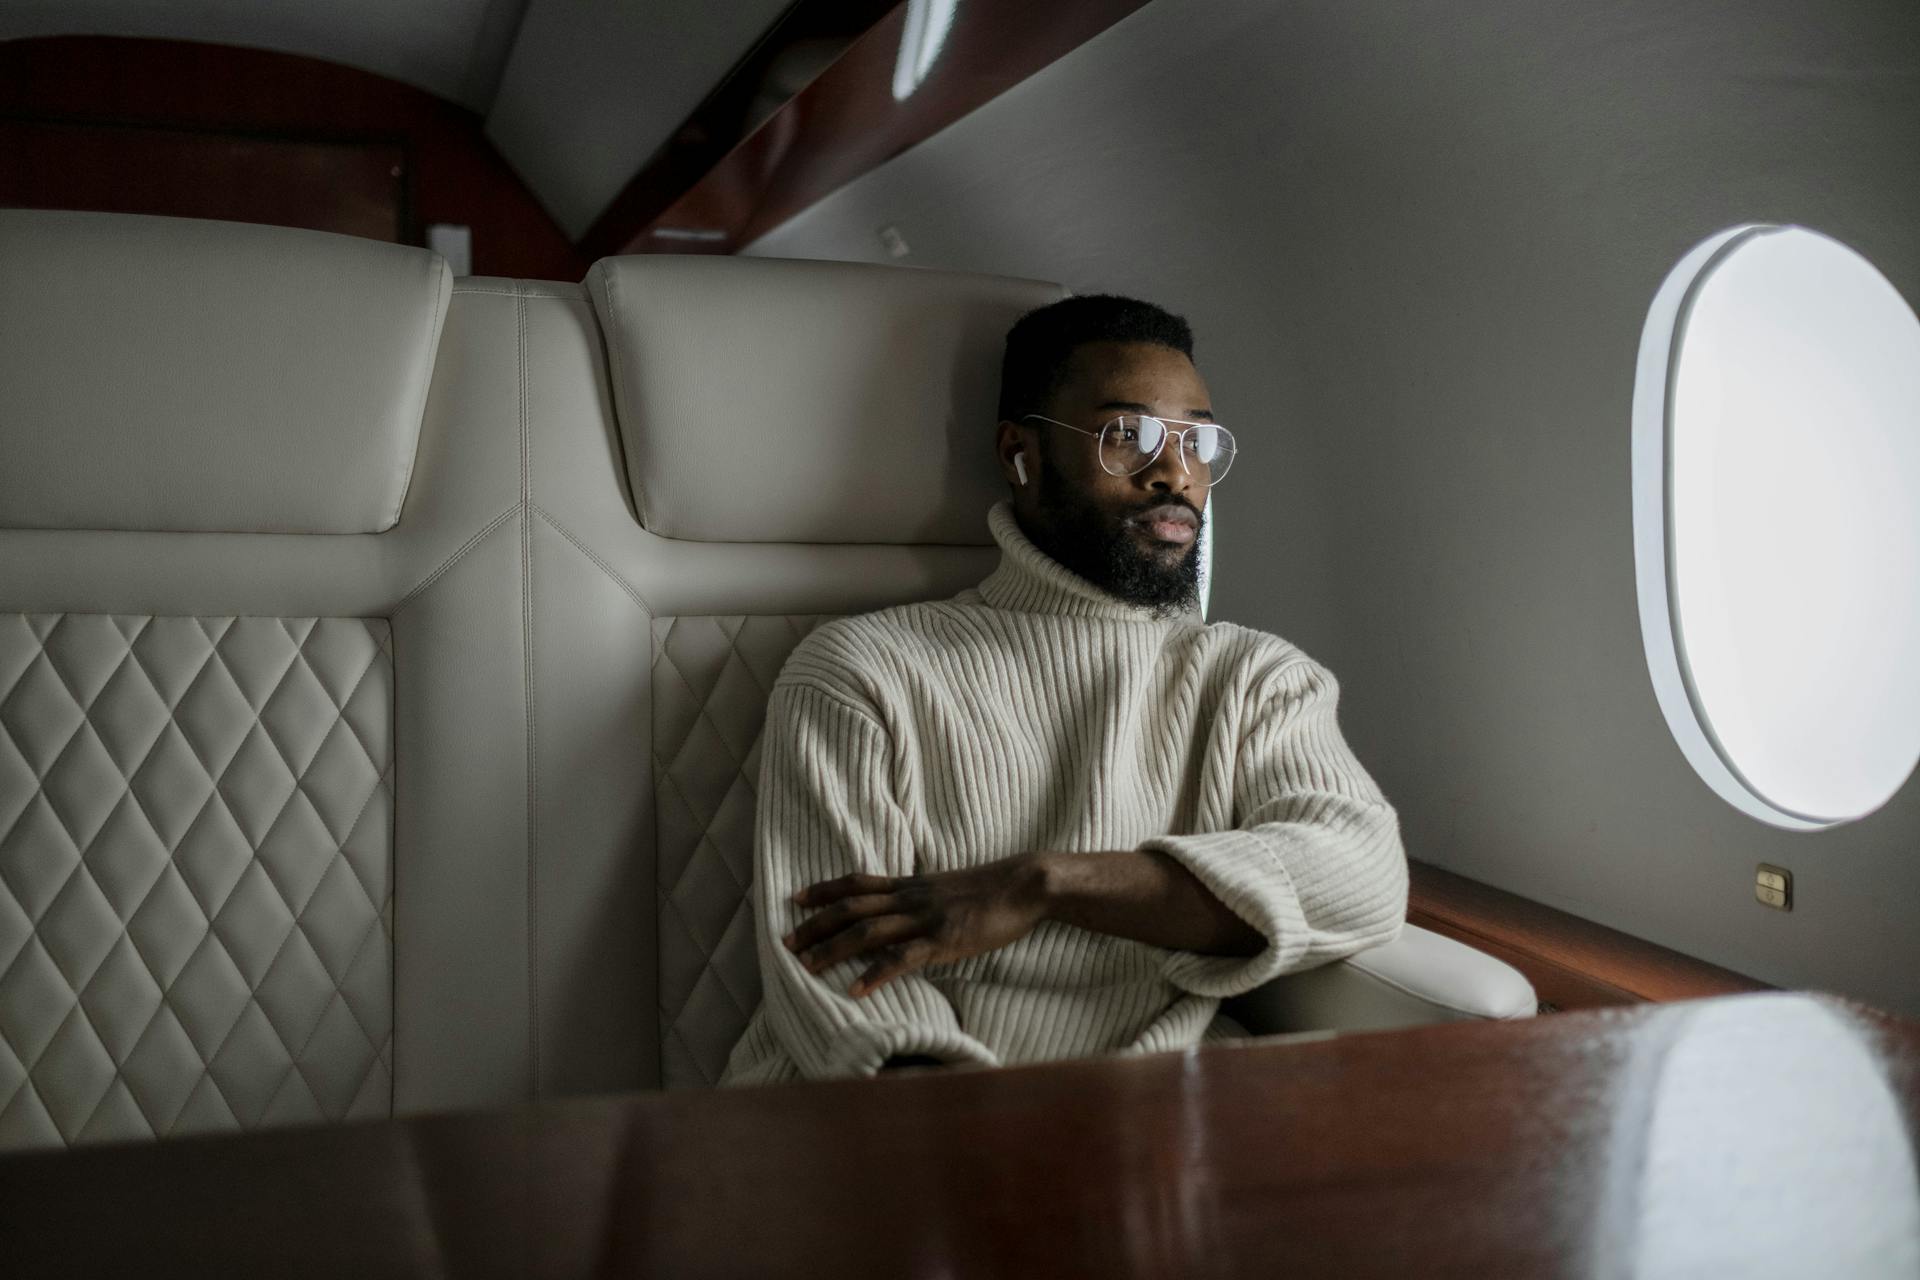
1315, 862
827, 808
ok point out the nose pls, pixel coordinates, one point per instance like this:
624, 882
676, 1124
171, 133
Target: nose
1168, 473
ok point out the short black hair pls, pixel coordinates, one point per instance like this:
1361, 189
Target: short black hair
1043, 340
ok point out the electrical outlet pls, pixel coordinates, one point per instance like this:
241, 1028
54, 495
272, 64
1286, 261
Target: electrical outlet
1773, 887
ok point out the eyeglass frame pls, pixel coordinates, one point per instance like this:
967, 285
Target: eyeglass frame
1166, 430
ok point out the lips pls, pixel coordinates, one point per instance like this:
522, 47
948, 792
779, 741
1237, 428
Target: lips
1172, 524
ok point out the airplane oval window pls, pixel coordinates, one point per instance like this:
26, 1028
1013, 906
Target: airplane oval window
1776, 474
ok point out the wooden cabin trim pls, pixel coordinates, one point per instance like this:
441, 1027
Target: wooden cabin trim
1572, 963
735, 178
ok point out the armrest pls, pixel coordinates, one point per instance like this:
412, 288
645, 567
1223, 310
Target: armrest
1419, 977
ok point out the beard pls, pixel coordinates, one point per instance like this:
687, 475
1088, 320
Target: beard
1102, 549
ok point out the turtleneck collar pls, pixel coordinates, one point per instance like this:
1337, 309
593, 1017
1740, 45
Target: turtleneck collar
1029, 580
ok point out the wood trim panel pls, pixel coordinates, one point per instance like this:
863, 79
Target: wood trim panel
732, 185
452, 173
351, 188
700, 148
1572, 963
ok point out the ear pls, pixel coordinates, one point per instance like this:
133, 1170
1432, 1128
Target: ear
1011, 448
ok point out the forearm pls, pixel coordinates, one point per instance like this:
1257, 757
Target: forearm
1146, 896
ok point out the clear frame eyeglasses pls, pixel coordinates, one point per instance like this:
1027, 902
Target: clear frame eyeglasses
1131, 442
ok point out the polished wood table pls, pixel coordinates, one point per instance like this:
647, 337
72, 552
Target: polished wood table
1752, 1135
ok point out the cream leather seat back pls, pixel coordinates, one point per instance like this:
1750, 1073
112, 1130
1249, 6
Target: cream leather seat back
379, 709
796, 441
265, 761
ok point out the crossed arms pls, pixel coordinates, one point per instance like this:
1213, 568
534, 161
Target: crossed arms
1312, 872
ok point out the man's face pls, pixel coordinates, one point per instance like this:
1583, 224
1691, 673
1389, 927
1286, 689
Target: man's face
1137, 536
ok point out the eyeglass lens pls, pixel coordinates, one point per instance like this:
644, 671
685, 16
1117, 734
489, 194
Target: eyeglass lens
1132, 441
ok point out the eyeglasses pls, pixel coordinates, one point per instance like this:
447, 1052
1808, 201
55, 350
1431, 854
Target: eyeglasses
1131, 442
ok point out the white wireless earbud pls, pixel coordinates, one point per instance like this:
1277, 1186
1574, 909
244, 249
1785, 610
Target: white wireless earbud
1020, 466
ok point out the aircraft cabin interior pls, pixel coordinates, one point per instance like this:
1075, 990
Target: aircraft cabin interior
634, 640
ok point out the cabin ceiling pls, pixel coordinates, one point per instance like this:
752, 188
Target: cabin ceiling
578, 94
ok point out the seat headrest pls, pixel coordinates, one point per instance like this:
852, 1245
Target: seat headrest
171, 374
767, 400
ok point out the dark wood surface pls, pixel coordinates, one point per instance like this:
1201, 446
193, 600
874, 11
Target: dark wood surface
451, 173
807, 33
353, 188
1766, 1134
1572, 963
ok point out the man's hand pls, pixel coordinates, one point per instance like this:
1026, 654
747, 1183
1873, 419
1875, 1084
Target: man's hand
910, 922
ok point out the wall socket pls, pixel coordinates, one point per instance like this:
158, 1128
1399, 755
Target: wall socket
1773, 887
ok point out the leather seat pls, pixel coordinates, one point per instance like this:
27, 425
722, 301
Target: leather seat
383, 658
264, 768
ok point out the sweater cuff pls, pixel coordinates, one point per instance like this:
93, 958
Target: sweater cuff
860, 1051
1240, 869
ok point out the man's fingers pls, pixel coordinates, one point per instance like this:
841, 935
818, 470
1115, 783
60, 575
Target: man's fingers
890, 964
819, 895
830, 920
861, 936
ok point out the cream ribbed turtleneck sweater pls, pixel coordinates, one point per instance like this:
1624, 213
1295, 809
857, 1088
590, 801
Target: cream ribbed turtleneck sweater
1036, 712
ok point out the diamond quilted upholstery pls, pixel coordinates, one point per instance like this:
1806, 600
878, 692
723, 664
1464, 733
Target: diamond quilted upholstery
195, 874
711, 680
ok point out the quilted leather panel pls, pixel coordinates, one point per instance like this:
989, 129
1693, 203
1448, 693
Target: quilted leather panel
711, 680
196, 868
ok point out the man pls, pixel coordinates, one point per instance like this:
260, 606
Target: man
1056, 814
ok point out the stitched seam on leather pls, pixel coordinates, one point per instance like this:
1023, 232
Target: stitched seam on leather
382, 1052
719, 972
619, 382
686, 1002
600, 563
373, 1064
80, 1007
438, 315
526, 630
80, 728
459, 554
120, 1065
213, 937
55, 757
693, 1058
253, 999
80, 864
529, 293
706, 825
675, 1005
376, 925
296, 913
733, 643
706, 715
338, 994
213, 793
385, 779
340, 711
210, 937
